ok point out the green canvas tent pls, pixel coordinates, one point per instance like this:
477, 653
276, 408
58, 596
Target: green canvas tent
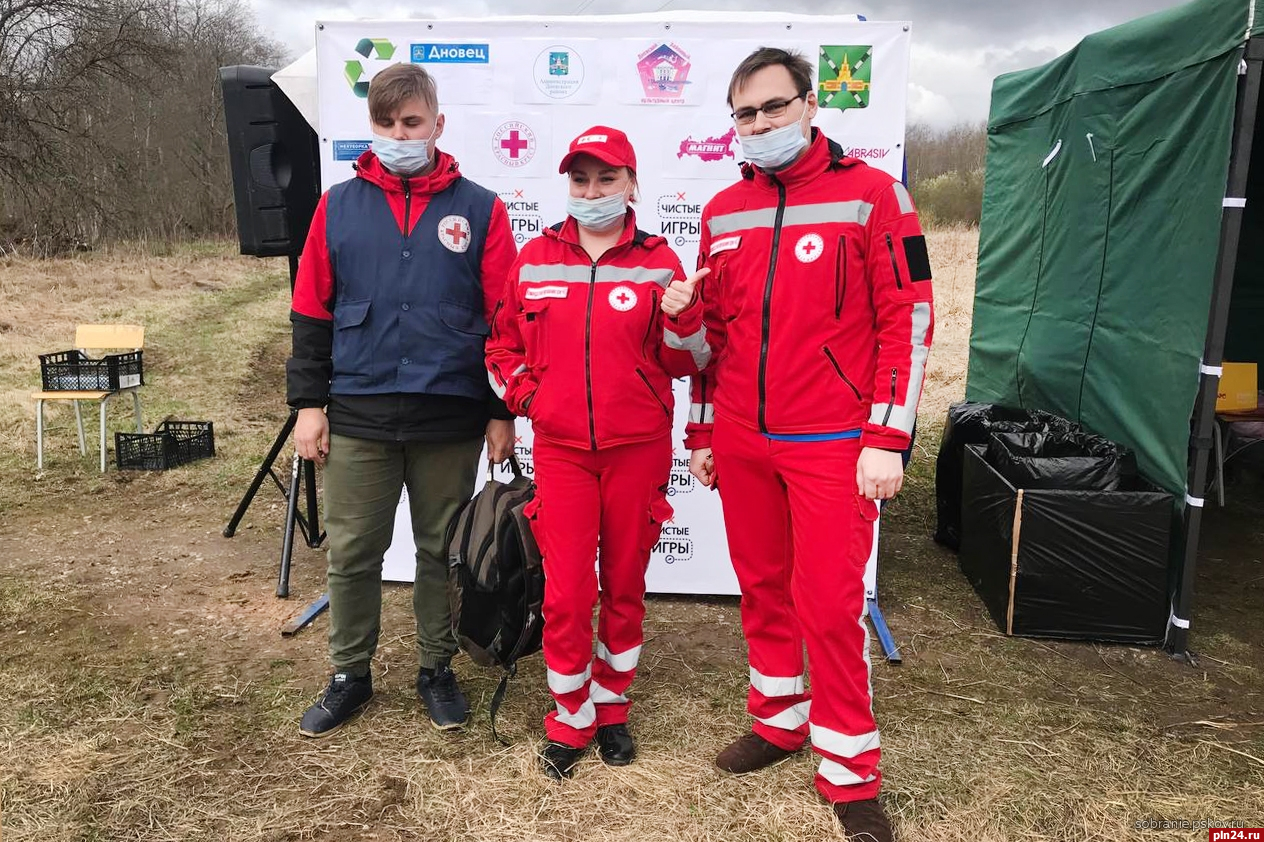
1120, 260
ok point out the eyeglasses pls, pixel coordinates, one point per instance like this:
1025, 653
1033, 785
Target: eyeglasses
771, 108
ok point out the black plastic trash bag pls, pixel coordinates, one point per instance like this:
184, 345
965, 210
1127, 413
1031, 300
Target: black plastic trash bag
1069, 564
1070, 461
974, 423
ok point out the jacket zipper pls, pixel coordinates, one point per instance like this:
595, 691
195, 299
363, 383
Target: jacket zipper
646, 381
839, 371
767, 315
894, 378
408, 200
592, 413
895, 267
840, 273
649, 328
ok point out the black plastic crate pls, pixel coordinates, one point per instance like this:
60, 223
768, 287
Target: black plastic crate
171, 444
75, 371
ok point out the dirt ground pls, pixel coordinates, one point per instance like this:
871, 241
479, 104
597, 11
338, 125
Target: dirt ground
147, 694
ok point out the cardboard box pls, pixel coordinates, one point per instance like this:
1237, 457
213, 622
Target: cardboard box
1238, 390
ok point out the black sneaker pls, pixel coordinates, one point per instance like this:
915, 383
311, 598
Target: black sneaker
344, 698
442, 696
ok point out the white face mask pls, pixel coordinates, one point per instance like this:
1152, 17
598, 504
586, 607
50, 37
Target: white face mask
775, 149
598, 215
403, 157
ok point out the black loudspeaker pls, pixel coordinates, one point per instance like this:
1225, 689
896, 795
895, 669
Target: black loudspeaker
275, 160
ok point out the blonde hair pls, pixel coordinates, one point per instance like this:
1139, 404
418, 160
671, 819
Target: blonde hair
397, 84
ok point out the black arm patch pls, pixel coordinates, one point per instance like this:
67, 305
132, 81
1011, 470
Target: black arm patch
918, 259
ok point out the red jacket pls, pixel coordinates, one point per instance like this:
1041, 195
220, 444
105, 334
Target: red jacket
818, 306
583, 349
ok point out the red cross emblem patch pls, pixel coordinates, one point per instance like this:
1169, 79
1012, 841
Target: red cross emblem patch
622, 298
454, 233
809, 248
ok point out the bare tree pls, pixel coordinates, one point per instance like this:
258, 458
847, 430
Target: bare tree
111, 124
946, 171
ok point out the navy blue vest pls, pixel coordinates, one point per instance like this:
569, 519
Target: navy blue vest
408, 310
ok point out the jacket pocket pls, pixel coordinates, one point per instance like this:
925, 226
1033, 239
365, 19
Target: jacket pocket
895, 264
657, 399
718, 289
647, 351
530, 407
463, 319
829, 355
352, 348
840, 276
533, 325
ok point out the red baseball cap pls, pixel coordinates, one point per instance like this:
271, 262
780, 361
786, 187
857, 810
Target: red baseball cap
608, 145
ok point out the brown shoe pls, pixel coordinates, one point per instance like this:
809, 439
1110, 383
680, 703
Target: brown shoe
864, 821
750, 753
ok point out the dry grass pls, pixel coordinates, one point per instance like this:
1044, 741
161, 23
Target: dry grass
210, 316
145, 694
953, 252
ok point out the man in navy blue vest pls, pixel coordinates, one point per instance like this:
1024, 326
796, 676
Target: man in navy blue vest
400, 277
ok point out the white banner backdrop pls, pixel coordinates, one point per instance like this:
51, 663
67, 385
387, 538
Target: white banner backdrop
517, 90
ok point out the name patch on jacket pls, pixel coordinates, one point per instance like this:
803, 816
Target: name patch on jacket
536, 293
726, 244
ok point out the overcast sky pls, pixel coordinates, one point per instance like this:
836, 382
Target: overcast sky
958, 47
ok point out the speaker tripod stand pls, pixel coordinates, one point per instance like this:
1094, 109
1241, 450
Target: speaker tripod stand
302, 472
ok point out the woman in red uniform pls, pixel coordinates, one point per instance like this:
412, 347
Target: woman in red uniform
581, 348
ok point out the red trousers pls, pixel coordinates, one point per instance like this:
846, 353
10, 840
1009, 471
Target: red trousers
613, 499
799, 536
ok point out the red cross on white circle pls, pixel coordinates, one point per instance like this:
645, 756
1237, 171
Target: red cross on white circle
622, 298
809, 248
514, 144
455, 233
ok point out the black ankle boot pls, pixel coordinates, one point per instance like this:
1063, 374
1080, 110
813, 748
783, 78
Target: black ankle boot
559, 760
616, 745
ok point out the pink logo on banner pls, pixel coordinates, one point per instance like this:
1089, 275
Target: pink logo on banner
664, 72
873, 153
709, 148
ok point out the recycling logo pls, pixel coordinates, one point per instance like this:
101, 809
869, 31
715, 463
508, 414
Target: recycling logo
380, 50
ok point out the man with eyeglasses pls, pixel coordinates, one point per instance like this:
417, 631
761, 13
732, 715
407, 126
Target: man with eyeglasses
818, 317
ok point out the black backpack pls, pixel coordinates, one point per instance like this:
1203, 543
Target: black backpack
496, 578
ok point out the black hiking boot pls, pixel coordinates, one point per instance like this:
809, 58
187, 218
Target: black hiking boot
343, 699
442, 696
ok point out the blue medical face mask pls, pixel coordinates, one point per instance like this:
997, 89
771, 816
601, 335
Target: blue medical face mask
598, 214
403, 157
776, 149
